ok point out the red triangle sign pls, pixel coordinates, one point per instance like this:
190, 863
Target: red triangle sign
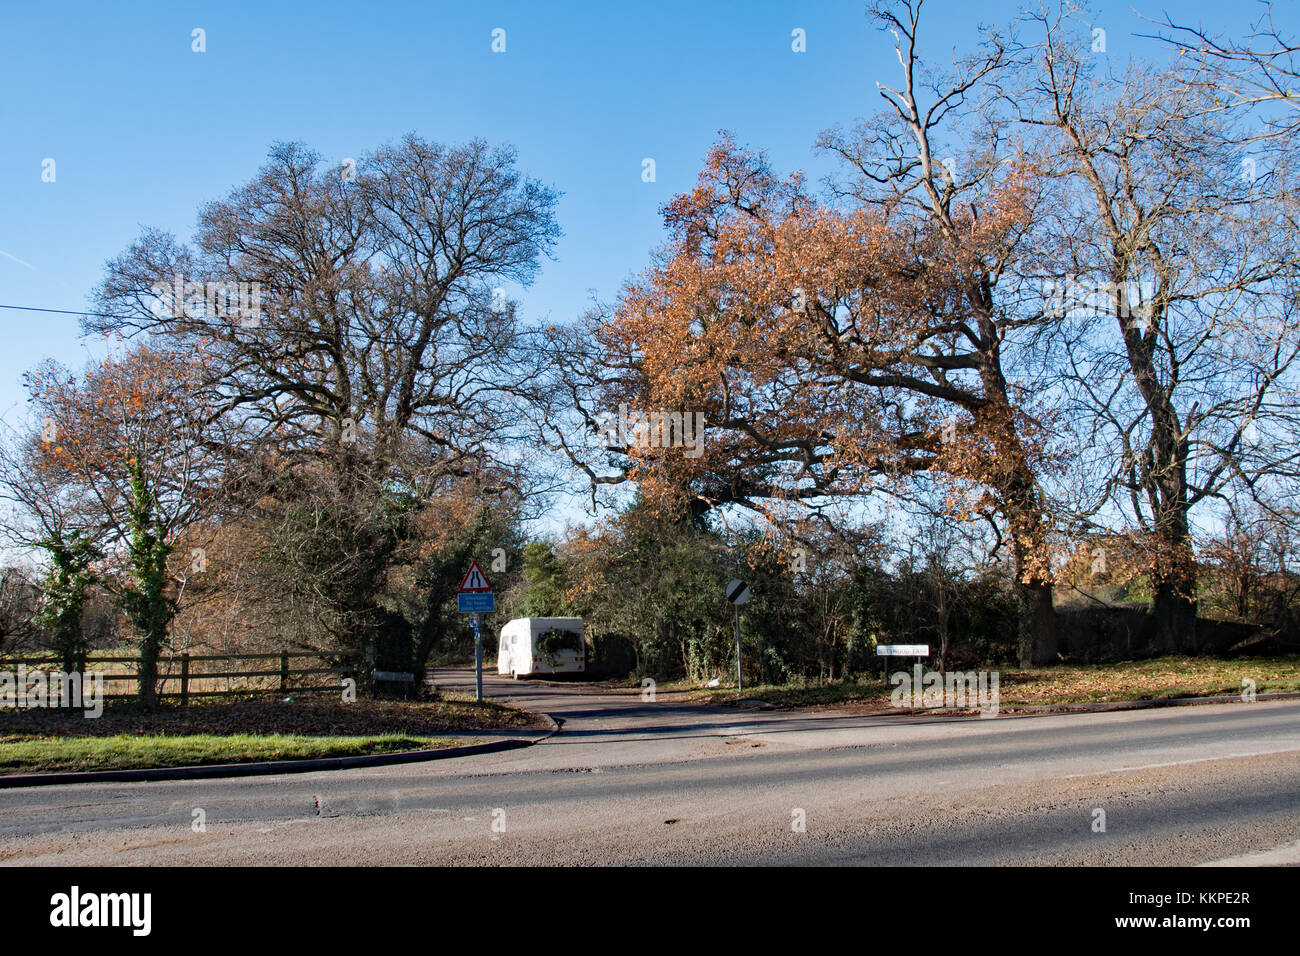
475, 581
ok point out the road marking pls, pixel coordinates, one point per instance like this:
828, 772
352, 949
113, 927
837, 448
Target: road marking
1287, 853
1180, 763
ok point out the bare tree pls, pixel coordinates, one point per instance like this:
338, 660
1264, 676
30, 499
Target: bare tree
941, 157
1177, 274
383, 307
374, 346
1258, 70
18, 606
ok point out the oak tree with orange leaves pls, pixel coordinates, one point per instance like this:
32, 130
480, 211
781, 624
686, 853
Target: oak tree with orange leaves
853, 346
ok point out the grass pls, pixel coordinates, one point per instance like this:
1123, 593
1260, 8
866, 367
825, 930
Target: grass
1155, 679
121, 751
241, 729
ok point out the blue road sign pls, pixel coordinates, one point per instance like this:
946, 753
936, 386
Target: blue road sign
477, 602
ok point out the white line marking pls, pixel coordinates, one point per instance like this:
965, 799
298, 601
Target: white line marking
1286, 853
1179, 763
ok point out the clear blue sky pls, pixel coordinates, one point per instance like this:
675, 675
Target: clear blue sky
143, 130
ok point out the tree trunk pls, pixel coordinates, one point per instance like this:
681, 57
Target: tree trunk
944, 637
430, 634
149, 650
1022, 505
1033, 575
1173, 608
1038, 636
1173, 597
1172, 626
68, 658
393, 643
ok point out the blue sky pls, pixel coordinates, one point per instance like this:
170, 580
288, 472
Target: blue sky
143, 130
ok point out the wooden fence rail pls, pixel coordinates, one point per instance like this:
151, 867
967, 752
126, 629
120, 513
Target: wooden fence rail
177, 677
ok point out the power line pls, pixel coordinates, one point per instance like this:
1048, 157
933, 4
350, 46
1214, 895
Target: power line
1188, 382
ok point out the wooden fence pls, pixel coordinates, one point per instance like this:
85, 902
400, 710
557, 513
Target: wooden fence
202, 675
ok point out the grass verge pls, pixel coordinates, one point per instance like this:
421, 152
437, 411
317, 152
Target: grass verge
123, 752
242, 730
1154, 679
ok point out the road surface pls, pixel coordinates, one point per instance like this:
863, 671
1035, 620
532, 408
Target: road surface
628, 781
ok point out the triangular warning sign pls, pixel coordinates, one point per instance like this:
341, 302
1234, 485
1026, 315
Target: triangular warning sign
475, 580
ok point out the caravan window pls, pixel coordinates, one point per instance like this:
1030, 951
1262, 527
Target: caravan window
553, 641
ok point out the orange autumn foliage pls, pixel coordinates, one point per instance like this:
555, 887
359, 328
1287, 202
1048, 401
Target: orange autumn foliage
830, 352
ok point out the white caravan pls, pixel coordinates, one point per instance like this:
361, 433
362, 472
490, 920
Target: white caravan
541, 645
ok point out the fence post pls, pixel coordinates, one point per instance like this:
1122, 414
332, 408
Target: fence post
284, 671
185, 679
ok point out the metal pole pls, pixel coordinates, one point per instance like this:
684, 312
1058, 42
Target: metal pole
478, 662
740, 686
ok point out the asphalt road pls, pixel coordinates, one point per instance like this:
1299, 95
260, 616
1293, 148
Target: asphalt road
666, 781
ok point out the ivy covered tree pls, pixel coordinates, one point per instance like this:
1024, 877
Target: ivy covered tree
135, 445
145, 598
64, 590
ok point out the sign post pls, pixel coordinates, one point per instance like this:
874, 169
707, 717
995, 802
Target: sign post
737, 592
478, 661
899, 650
476, 597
